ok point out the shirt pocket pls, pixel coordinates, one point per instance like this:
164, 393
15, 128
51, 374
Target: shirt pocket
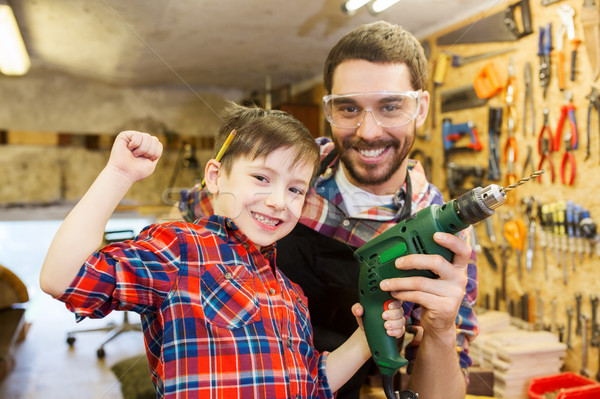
228, 296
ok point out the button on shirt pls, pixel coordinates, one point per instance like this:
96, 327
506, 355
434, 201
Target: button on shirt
219, 320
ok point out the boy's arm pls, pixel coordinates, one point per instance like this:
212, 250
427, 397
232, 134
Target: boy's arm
345, 361
133, 157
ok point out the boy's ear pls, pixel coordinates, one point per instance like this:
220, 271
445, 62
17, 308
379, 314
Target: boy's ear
211, 176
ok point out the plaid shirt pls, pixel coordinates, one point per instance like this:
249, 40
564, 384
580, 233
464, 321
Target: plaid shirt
219, 319
324, 211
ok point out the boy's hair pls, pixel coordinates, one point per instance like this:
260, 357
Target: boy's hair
379, 42
260, 132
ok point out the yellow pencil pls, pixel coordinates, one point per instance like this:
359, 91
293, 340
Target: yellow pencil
221, 152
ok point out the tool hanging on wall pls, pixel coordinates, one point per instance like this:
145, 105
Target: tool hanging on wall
567, 110
528, 164
545, 147
487, 81
439, 77
462, 178
543, 235
561, 235
528, 107
544, 50
566, 13
568, 159
590, 20
559, 57
510, 148
452, 133
569, 221
459, 60
494, 130
515, 232
579, 238
594, 103
529, 207
462, 97
499, 27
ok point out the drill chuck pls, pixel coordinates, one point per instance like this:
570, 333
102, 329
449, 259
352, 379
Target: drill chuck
479, 203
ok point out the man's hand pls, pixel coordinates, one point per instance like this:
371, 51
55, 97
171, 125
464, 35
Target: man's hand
135, 154
440, 298
394, 317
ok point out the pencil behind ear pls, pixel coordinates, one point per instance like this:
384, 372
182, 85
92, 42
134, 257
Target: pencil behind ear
211, 176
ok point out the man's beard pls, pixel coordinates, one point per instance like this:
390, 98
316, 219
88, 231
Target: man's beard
363, 173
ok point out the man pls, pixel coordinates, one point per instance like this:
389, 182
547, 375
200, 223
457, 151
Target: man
375, 77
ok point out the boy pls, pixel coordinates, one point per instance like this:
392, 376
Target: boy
219, 318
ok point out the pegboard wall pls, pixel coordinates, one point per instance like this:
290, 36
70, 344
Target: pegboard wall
545, 282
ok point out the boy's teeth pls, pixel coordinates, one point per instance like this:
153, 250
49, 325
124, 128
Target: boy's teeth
265, 220
372, 153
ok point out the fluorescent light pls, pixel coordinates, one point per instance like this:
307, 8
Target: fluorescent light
14, 59
350, 6
380, 5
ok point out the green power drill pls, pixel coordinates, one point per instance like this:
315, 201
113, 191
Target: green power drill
414, 235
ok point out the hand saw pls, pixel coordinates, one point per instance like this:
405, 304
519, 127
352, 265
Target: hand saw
499, 27
590, 20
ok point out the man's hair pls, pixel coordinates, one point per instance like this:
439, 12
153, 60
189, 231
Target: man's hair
379, 42
260, 132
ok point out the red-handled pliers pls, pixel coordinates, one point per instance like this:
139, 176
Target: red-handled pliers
545, 146
568, 158
568, 108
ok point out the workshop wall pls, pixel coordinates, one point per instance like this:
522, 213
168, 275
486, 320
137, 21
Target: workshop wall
583, 280
56, 132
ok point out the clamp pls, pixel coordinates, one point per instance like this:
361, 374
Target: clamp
594, 99
568, 108
545, 146
544, 50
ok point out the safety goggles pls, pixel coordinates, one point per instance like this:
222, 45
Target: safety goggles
388, 108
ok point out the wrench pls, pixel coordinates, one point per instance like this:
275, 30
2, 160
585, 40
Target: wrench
578, 298
584, 347
569, 317
595, 328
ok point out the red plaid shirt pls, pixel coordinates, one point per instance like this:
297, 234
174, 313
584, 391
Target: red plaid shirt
219, 319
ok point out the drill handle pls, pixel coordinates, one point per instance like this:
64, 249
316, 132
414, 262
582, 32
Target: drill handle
384, 348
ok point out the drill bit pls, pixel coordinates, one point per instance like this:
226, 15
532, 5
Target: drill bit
523, 180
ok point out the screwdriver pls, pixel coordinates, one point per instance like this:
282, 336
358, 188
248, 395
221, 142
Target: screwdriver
569, 222
544, 239
553, 227
514, 232
559, 219
576, 215
588, 230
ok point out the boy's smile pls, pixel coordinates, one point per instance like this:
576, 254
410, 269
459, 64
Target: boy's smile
263, 196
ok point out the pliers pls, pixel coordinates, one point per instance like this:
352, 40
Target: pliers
544, 50
568, 108
568, 158
545, 147
594, 98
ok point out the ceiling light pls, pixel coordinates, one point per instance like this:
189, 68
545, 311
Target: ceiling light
14, 59
381, 5
350, 6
